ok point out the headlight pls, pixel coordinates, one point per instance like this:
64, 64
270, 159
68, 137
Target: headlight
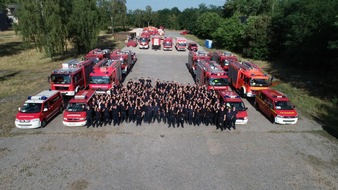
17, 120
65, 118
245, 118
280, 116
35, 120
82, 119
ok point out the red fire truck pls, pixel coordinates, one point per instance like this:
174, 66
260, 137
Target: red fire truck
168, 43
143, 41
180, 43
98, 54
192, 46
105, 75
211, 74
156, 42
72, 77
247, 78
232, 99
125, 57
75, 113
223, 58
194, 57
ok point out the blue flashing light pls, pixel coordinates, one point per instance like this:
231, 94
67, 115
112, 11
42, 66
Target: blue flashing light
43, 98
29, 97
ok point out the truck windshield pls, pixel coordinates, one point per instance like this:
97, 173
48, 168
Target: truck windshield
99, 80
193, 45
283, 105
31, 108
218, 82
259, 82
239, 105
60, 79
143, 39
182, 44
76, 107
167, 43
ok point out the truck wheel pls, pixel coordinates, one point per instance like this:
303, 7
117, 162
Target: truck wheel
256, 106
61, 109
241, 93
272, 119
43, 123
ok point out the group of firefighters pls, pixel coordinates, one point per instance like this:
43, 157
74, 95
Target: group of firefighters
170, 102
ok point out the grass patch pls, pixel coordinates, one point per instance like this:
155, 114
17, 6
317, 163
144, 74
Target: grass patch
25, 73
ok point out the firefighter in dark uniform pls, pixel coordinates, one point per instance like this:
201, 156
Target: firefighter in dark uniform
97, 117
106, 114
156, 113
221, 115
228, 115
171, 120
115, 114
123, 112
131, 112
234, 117
89, 116
180, 118
139, 115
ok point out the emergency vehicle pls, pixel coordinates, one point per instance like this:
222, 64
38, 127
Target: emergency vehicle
180, 43
39, 109
276, 106
156, 42
168, 43
247, 78
75, 113
125, 57
210, 74
98, 54
192, 46
143, 41
72, 77
105, 75
223, 58
232, 99
194, 57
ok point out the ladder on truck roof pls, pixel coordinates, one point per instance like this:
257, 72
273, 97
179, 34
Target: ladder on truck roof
250, 66
212, 67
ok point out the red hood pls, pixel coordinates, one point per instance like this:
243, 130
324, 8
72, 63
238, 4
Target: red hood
68, 115
242, 114
286, 112
27, 116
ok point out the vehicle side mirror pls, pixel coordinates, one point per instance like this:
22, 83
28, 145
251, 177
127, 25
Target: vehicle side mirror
294, 106
45, 109
19, 108
246, 108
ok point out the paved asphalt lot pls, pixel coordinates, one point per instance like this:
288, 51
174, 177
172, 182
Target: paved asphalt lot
258, 155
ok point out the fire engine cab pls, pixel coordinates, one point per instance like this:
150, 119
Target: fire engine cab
247, 78
75, 113
98, 54
72, 77
210, 74
105, 74
181, 43
39, 109
232, 99
194, 57
143, 42
125, 57
223, 58
168, 44
276, 106
156, 42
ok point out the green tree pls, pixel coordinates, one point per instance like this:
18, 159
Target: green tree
229, 33
83, 25
42, 23
256, 37
207, 23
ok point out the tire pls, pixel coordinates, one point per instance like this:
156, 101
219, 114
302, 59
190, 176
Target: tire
43, 123
256, 106
272, 119
61, 109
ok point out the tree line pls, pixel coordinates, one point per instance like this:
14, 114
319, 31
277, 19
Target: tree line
305, 32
